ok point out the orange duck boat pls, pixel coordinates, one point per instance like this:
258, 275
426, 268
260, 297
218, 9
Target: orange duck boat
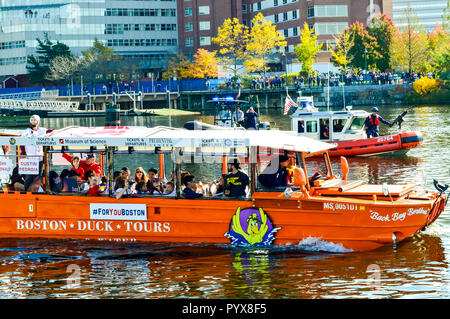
348, 213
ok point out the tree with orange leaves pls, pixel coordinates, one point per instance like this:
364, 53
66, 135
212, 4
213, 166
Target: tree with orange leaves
204, 65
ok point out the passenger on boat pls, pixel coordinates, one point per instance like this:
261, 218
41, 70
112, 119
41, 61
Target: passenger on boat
34, 130
36, 185
157, 187
139, 176
169, 190
71, 181
88, 177
55, 181
125, 173
94, 188
152, 174
17, 180
236, 181
121, 188
251, 119
191, 187
275, 174
324, 129
372, 123
141, 188
218, 188
76, 165
104, 185
338, 126
87, 164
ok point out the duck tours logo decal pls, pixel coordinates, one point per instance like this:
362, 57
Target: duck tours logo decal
251, 227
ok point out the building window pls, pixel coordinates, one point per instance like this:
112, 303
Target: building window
203, 10
285, 16
188, 12
204, 25
276, 19
188, 26
244, 8
310, 11
189, 42
295, 32
284, 1
331, 11
294, 14
275, 3
286, 33
258, 5
330, 27
205, 40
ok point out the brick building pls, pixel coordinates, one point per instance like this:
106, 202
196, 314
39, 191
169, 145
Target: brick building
198, 21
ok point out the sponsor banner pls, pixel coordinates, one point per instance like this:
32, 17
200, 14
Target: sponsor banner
29, 166
6, 166
124, 141
118, 211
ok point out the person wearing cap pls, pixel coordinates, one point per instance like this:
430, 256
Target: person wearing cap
34, 130
88, 164
372, 123
275, 175
236, 181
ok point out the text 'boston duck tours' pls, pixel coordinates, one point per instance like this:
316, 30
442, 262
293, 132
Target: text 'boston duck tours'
273, 190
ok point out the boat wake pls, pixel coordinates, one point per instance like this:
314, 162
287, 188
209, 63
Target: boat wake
315, 244
438, 230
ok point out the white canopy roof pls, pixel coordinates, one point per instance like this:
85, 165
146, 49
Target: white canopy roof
170, 137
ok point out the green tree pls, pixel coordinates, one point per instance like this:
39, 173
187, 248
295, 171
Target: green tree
101, 63
307, 50
409, 50
364, 51
38, 66
340, 53
382, 29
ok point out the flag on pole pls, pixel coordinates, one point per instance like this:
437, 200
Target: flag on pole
239, 94
288, 104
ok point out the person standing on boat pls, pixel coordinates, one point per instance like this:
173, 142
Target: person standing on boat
272, 176
372, 123
236, 181
34, 130
238, 116
251, 119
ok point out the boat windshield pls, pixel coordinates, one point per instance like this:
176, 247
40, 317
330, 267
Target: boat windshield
357, 124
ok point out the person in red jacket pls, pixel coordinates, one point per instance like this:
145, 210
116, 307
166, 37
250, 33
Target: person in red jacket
88, 164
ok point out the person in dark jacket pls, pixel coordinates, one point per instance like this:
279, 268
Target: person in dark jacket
372, 123
275, 175
189, 191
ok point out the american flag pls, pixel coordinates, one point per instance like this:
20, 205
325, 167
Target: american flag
239, 94
288, 104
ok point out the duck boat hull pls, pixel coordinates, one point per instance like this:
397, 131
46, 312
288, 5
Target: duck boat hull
354, 224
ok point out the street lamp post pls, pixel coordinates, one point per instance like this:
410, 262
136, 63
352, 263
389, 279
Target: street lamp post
365, 60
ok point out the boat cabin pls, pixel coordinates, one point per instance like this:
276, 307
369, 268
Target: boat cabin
171, 152
329, 125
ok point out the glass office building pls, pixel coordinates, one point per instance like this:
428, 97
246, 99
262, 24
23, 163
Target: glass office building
429, 11
144, 30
